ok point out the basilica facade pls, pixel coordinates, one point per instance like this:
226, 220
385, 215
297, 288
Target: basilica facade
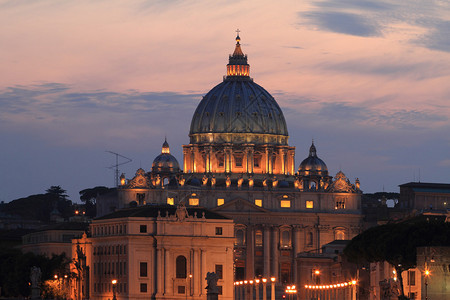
239, 164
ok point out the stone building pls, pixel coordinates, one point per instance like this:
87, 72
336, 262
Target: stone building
239, 163
421, 196
154, 251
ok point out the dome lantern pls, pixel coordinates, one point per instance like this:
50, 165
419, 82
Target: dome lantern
237, 65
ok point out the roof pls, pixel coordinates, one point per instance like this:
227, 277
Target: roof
151, 211
427, 187
69, 226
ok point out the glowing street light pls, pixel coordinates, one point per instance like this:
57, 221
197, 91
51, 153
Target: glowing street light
264, 281
114, 283
257, 281
426, 273
272, 291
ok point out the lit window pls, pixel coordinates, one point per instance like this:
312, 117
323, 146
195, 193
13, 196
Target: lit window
258, 202
285, 239
220, 201
240, 237
309, 204
340, 235
340, 204
285, 203
170, 201
193, 201
258, 238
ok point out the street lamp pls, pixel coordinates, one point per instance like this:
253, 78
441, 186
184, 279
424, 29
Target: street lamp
114, 283
272, 291
264, 281
427, 273
257, 281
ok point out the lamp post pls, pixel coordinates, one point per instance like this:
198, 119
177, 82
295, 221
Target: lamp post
272, 290
264, 281
251, 289
114, 283
257, 281
427, 273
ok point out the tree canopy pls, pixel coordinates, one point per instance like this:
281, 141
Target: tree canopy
397, 243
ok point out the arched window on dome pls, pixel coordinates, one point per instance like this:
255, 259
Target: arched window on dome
238, 158
257, 160
220, 160
181, 269
165, 181
312, 185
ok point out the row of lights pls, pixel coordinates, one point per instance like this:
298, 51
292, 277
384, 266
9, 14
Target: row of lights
330, 286
256, 281
291, 289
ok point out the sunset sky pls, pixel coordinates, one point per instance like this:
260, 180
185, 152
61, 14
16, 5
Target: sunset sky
369, 81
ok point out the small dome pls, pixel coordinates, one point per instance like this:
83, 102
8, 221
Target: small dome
165, 162
313, 165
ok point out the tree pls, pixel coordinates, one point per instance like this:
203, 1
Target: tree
89, 197
58, 192
397, 243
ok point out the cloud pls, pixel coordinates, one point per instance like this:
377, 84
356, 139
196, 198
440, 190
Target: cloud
342, 22
374, 18
54, 110
340, 114
437, 37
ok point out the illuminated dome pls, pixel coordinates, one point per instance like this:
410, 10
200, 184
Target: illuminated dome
313, 165
165, 162
238, 110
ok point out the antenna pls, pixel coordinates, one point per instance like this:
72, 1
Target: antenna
116, 166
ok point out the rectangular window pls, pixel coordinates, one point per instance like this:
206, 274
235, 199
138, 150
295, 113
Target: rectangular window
193, 201
140, 197
143, 269
170, 201
256, 162
285, 203
411, 278
220, 201
143, 228
143, 288
181, 289
219, 287
218, 230
238, 161
340, 204
309, 204
219, 271
258, 202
